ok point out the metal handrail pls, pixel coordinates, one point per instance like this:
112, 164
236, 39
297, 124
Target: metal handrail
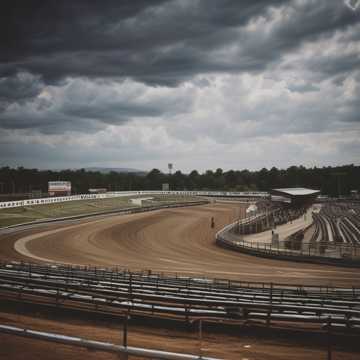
115, 274
99, 345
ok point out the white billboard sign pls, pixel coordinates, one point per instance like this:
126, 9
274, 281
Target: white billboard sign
55, 187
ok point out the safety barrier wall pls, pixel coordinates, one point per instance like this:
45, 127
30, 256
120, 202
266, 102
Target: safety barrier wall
51, 200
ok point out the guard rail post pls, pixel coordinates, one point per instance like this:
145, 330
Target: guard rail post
125, 332
329, 344
200, 338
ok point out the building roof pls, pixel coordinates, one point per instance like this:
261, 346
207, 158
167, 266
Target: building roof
296, 191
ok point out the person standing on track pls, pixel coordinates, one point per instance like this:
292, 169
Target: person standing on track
212, 223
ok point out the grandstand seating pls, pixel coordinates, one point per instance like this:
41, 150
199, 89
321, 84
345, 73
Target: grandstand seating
270, 214
337, 223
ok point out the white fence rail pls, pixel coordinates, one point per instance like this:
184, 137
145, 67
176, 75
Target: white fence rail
51, 200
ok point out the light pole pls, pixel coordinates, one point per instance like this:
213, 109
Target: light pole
170, 167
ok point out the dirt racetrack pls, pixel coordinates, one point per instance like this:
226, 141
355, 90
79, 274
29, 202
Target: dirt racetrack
172, 240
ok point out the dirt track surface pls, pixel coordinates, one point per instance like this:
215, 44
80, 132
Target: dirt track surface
172, 240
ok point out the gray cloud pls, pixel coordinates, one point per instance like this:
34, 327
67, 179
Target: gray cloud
19, 88
191, 75
160, 42
303, 87
87, 106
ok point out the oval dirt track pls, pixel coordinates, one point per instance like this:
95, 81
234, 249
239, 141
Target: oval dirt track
172, 240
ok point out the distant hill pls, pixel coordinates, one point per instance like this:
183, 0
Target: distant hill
105, 170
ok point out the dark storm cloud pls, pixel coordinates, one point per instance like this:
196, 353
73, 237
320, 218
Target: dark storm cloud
156, 42
215, 70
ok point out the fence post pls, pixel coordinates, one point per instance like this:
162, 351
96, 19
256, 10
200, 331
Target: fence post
187, 313
125, 331
329, 345
130, 286
268, 317
125, 327
200, 338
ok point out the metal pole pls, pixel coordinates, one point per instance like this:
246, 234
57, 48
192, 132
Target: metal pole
329, 347
200, 338
125, 328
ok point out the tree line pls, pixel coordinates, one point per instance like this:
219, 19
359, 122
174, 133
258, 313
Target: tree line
331, 181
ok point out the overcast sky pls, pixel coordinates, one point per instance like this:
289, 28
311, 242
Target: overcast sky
201, 84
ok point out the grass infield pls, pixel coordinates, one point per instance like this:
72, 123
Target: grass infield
25, 214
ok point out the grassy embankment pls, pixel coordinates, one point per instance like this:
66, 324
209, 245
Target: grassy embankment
25, 214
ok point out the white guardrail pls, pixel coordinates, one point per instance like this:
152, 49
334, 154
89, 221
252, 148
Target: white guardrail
51, 200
